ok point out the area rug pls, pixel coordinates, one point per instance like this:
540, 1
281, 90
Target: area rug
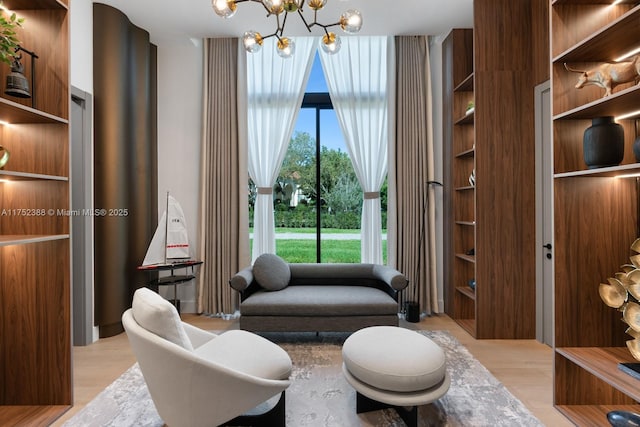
320, 396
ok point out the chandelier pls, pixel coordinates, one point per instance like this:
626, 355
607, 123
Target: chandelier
350, 22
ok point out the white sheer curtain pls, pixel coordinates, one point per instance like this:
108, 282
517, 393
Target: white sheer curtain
275, 88
359, 85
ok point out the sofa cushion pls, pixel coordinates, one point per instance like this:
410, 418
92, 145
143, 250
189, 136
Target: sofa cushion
248, 353
311, 300
271, 272
159, 316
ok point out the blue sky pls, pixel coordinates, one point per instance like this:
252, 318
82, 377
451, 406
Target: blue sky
330, 132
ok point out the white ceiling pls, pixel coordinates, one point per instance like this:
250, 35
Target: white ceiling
185, 19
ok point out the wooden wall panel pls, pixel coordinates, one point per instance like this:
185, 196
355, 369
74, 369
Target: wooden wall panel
505, 170
540, 40
35, 331
502, 31
591, 214
37, 148
566, 34
574, 386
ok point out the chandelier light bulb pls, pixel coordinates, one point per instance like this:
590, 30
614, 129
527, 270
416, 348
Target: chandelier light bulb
224, 8
351, 21
275, 6
252, 41
291, 6
286, 47
317, 4
331, 43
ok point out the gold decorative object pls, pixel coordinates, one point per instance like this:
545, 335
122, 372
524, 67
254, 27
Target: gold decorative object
631, 315
609, 74
623, 293
614, 294
4, 156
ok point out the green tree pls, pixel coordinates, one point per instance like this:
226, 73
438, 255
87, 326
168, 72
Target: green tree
298, 166
337, 174
345, 195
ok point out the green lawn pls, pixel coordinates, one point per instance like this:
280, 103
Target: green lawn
333, 251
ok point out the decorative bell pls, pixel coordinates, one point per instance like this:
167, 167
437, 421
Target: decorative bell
17, 83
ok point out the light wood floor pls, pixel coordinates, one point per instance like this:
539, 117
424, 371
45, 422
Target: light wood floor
523, 366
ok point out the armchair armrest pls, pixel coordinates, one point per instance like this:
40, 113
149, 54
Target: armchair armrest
390, 276
242, 279
197, 336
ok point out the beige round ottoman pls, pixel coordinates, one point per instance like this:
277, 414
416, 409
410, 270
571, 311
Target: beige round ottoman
392, 367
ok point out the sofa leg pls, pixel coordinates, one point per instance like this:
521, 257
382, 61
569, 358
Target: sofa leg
275, 417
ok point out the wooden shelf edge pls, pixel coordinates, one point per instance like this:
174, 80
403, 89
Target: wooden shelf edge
26, 176
13, 239
610, 172
573, 53
467, 119
469, 325
466, 291
14, 113
465, 257
467, 153
591, 414
602, 362
605, 2
466, 85
35, 4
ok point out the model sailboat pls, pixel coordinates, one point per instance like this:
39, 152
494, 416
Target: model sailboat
170, 242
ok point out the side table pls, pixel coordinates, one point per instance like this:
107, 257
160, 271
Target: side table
172, 279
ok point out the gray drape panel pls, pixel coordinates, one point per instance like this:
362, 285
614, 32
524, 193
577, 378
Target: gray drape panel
220, 183
415, 254
125, 165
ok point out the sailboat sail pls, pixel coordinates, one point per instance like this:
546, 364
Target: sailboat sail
170, 241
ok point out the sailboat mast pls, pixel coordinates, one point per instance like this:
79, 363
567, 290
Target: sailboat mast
166, 228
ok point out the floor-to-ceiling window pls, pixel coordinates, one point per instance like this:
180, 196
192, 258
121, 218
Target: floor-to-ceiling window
317, 197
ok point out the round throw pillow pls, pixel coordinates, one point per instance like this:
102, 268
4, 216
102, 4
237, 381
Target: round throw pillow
271, 272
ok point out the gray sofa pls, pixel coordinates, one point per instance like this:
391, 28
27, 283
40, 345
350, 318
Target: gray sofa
319, 297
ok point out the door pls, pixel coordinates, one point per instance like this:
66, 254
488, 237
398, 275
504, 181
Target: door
544, 213
81, 220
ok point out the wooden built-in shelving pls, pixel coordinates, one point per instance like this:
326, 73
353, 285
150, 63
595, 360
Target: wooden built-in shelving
35, 254
595, 211
493, 219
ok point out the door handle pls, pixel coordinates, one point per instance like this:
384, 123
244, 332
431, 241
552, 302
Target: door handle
547, 246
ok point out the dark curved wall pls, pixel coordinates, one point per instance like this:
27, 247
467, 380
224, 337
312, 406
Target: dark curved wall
125, 161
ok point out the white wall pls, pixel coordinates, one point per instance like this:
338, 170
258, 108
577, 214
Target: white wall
180, 64
81, 27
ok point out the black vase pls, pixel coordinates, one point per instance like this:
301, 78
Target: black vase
636, 149
603, 143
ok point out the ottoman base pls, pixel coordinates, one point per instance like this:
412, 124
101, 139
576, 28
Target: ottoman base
408, 415
406, 404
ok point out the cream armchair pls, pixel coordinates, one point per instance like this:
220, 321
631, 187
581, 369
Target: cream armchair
197, 378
